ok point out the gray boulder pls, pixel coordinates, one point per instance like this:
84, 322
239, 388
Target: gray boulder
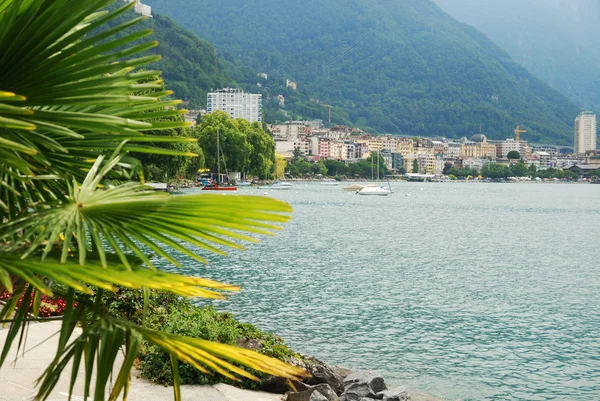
365, 380
316, 396
352, 398
326, 390
320, 390
321, 372
357, 391
394, 394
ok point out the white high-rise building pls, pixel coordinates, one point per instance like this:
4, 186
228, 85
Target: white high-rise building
141, 8
236, 103
585, 132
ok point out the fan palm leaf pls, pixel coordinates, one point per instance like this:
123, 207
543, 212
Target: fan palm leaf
71, 94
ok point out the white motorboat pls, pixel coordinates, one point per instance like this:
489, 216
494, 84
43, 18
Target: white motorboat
374, 191
276, 186
330, 182
353, 187
284, 184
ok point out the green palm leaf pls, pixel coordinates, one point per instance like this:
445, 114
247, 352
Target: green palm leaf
128, 216
69, 95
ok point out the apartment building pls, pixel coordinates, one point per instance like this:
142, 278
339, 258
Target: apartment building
236, 103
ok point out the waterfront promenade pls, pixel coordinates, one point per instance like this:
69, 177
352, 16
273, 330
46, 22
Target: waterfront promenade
17, 378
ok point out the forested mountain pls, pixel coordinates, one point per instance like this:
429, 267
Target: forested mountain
557, 40
189, 64
403, 67
191, 67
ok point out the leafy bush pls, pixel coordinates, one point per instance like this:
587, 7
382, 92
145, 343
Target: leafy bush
176, 315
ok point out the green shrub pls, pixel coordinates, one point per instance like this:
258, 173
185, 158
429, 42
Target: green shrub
179, 316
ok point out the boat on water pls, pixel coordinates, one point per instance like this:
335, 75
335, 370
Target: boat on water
330, 182
158, 186
358, 187
374, 191
214, 185
353, 187
277, 186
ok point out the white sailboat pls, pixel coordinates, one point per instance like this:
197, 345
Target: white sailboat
375, 190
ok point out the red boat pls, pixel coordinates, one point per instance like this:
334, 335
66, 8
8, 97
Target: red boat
216, 187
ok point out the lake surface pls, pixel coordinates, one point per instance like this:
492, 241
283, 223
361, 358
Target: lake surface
466, 291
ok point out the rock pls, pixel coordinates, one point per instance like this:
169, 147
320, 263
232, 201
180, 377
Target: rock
344, 398
323, 389
316, 396
319, 372
370, 378
326, 390
273, 384
394, 394
358, 390
323, 373
340, 371
299, 386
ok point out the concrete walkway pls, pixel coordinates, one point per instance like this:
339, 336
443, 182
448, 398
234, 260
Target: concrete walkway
17, 377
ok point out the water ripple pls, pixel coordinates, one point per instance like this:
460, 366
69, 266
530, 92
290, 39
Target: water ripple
465, 291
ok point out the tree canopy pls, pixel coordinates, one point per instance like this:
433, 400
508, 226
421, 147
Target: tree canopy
513, 155
243, 147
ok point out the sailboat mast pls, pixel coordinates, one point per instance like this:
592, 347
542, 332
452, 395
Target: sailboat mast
372, 171
218, 159
377, 166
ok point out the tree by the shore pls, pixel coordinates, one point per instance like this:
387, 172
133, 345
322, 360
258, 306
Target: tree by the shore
243, 147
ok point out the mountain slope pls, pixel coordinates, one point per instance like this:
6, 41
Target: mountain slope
190, 65
556, 40
403, 67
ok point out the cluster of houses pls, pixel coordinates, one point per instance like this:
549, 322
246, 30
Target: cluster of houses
311, 140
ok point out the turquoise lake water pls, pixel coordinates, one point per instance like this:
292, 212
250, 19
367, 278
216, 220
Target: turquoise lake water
465, 291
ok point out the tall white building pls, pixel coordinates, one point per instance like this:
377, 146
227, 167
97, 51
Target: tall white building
585, 132
236, 103
141, 8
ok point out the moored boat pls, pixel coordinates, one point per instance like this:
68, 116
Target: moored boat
217, 187
213, 185
276, 186
374, 191
353, 187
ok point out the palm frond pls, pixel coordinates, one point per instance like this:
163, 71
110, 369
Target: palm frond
127, 216
70, 94
66, 81
98, 345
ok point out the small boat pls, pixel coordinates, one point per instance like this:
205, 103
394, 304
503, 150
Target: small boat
213, 185
158, 186
276, 186
284, 184
374, 191
244, 184
217, 187
353, 187
330, 182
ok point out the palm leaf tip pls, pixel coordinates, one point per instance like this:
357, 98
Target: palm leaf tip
222, 358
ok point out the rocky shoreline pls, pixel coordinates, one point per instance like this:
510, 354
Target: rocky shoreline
334, 383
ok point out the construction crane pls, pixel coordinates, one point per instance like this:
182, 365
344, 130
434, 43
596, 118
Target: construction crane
329, 107
518, 132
